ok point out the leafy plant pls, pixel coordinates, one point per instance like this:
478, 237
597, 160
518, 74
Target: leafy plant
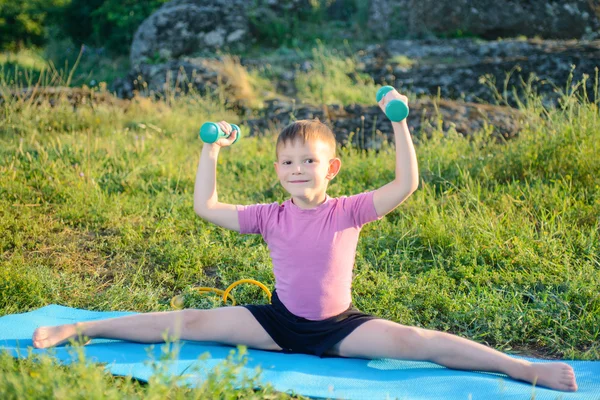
109, 24
23, 23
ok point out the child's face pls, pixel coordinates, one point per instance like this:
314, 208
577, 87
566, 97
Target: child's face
305, 170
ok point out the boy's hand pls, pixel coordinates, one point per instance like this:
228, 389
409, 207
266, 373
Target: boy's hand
226, 141
389, 96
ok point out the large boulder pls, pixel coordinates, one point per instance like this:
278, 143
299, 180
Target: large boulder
187, 27
489, 19
182, 27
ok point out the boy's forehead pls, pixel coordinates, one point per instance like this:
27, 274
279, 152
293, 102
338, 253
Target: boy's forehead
296, 146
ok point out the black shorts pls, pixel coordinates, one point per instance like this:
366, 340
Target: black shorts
300, 335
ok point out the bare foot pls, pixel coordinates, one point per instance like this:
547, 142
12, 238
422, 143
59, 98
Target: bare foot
555, 375
48, 336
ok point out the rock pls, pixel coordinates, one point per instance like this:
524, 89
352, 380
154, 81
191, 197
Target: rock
176, 75
489, 19
455, 66
367, 127
182, 27
190, 27
383, 12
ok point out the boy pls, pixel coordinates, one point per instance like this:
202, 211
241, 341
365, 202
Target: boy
312, 239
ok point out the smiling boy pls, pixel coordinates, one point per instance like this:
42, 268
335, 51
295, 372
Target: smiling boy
312, 240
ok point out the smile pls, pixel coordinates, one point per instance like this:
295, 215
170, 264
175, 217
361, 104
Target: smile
298, 181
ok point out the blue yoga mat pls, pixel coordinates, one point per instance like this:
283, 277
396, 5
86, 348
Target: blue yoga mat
302, 374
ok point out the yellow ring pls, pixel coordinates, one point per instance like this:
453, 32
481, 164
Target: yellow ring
257, 283
177, 301
204, 289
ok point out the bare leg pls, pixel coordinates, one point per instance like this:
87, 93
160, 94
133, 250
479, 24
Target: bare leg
410, 343
227, 325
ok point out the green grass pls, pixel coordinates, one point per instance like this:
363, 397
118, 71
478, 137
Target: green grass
60, 64
500, 243
41, 377
330, 82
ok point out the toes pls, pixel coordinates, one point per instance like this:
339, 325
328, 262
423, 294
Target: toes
566, 381
39, 342
571, 387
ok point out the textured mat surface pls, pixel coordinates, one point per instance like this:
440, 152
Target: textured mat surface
302, 374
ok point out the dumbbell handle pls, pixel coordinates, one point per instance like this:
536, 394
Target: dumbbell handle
396, 110
211, 132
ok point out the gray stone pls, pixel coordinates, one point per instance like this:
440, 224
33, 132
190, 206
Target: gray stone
184, 27
454, 68
490, 19
188, 27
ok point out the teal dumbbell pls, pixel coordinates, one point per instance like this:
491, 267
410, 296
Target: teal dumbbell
211, 132
396, 110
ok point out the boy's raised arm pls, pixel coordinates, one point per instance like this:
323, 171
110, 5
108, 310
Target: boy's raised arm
406, 181
206, 202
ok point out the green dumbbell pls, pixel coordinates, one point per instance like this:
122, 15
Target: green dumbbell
396, 110
211, 132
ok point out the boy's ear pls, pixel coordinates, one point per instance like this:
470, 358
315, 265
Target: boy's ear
334, 167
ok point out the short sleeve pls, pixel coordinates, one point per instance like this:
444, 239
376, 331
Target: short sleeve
254, 218
361, 208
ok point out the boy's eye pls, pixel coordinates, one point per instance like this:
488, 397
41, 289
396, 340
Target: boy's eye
309, 160
286, 163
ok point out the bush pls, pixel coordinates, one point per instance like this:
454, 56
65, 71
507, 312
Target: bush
110, 24
291, 26
22, 23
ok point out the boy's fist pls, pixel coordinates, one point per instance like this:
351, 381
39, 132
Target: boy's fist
229, 131
391, 95
393, 104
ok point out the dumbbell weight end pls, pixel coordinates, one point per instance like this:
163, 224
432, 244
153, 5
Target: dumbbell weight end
211, 132
396, 110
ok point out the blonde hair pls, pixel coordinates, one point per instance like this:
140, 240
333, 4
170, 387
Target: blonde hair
307, 131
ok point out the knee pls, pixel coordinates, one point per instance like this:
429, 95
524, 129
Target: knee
416, 341
416, 336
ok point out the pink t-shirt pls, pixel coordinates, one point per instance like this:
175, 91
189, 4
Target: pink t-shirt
312, 250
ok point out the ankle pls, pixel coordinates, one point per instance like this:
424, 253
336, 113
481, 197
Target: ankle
81, 329
522, 370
